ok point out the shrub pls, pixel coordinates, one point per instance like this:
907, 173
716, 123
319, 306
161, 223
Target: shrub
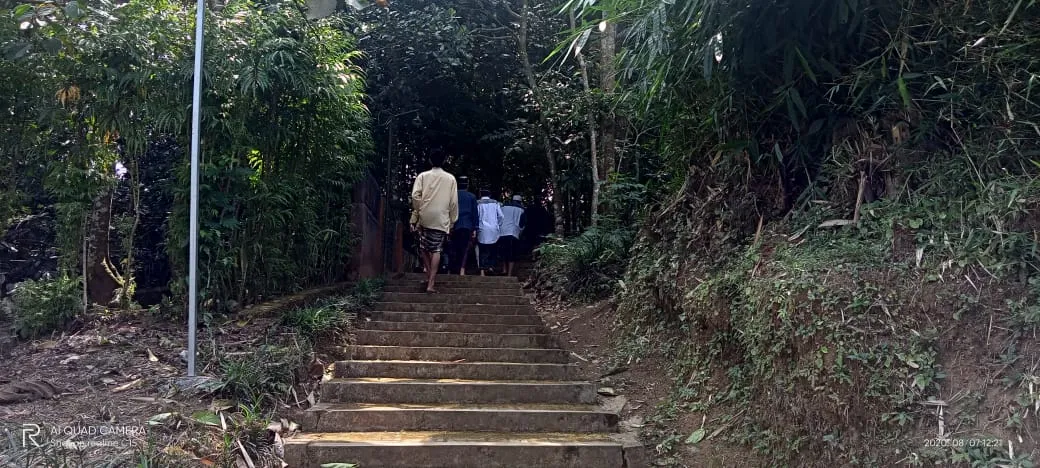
324, 317
332, 314
263, 374
587, 265
44, 306
271, 370
367, 291
590, 264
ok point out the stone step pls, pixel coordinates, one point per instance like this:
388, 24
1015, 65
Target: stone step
455, 308
456, 370
452, 327
453, 340
401, 390
441, 298
513, 290
455, 450
408, 353
427, 317
364, 417
474, 280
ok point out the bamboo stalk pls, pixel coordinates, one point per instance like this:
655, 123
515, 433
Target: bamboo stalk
859, 196
758, 231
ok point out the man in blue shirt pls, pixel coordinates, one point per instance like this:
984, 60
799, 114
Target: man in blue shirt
465, 230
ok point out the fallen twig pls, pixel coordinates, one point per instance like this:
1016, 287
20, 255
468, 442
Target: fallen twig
245, 455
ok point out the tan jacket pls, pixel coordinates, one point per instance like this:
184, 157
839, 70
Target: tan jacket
435, 198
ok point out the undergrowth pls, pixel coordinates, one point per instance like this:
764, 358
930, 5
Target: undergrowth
589, 266
270, 371
241, 421
45, 306
838, 343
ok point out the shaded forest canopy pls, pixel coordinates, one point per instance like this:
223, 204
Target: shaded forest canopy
792, 197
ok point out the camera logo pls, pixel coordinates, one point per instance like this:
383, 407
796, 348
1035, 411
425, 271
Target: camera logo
29, 434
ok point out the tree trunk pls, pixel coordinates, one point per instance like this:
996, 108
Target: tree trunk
101, 278
525, 59
590, 120
128, 268
608, 82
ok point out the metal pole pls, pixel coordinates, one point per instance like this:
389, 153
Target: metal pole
193, 222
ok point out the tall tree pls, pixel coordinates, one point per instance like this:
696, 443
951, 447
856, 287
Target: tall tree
522, 38
608, 82
590, 119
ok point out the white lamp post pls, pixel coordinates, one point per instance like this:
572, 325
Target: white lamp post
193, 221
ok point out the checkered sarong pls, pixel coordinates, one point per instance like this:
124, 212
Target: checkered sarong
431, 240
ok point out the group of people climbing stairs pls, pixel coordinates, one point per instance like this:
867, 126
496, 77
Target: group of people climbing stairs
451, 228
459, 371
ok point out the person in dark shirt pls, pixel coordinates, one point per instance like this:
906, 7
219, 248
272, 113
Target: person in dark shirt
465, 230
539, 225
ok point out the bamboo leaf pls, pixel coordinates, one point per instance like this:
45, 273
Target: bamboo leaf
696, 436
805, 65
796, 97
904, 92
1011, 17
815, 126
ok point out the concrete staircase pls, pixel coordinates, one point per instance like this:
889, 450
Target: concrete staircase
467, 377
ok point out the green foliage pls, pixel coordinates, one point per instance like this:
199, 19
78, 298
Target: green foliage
262, 375
281, 160
367, 291
318, 319
590, 264
436, 79
285, 131
45, 306
773, 86
269, 372
823, 320
334, 313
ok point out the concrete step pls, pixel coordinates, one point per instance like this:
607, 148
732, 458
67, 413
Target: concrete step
497, 290
452, 327
473, 280
389, 316
456, 370
363, 417
441, 298
401, 390
453, 340
403, 353
455, 308
455, 450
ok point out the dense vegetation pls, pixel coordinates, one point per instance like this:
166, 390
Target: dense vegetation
96, 103
822, 211
847, 226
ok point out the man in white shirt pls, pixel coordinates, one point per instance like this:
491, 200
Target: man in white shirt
513, 222
489, 214
435, 208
